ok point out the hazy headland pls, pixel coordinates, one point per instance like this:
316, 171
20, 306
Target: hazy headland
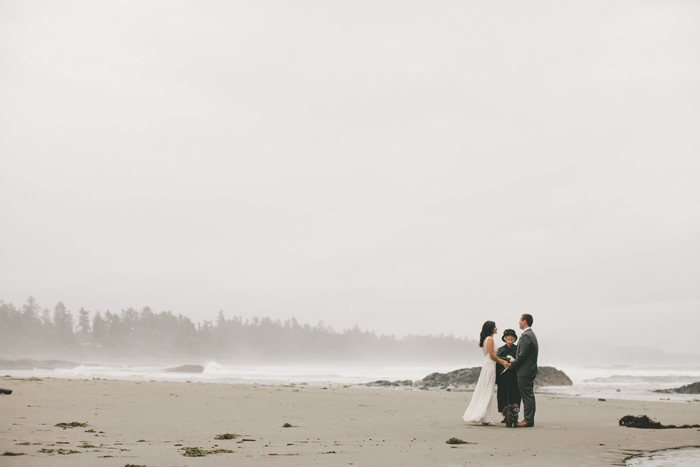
147, 336
262, 348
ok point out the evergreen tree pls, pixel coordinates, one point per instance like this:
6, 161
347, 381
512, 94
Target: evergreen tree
84, 327
134, 333
63, 325
30, 317
99, 329
10, 324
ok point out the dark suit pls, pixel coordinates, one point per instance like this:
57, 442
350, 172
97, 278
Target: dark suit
525, 366
508, 391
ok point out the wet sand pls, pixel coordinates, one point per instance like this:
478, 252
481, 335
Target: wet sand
150, 423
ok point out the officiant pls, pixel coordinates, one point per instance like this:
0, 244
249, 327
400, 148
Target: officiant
508, 391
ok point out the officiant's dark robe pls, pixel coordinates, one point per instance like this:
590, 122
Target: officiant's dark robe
508, 391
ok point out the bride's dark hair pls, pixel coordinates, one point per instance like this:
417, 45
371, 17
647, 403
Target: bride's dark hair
486, 331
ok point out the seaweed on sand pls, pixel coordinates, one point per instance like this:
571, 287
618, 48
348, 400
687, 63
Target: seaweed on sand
194, 452
70, 425
643, 421
226, 436
457, 441
199, 452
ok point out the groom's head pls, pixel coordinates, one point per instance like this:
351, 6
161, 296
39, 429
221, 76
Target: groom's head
525, 321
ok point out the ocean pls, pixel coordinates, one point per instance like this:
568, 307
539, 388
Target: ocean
613, 382
629, 382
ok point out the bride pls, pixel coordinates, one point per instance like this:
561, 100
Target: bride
479, 410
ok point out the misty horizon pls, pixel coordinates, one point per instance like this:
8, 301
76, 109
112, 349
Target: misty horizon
145, 335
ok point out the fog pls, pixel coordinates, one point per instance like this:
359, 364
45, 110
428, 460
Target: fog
408, 167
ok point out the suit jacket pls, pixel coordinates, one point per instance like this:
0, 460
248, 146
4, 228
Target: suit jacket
525, 363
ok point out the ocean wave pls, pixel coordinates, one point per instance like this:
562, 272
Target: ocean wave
648, 379
667, 457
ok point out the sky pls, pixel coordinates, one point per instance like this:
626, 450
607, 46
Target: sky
410, 167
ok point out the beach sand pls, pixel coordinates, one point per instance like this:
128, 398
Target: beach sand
149, 423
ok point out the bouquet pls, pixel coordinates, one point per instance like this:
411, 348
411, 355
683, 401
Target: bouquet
509, 359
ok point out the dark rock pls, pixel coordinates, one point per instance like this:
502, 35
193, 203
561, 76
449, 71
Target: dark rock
693, 388
546, 376
379, 383
550, 376
36, 364
382, 383
186, 369
461, 377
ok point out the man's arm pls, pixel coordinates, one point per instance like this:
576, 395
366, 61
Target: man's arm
524, 349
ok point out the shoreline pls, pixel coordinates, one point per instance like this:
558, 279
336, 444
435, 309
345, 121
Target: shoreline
636, 383
148, 423
133, 374
684, 455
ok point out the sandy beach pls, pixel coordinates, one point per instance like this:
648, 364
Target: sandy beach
151, 423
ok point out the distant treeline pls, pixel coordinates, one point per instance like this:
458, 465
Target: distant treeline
33, 330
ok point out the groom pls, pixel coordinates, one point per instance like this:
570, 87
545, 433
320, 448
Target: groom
525, 364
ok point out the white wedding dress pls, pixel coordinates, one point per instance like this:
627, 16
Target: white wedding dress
479, 410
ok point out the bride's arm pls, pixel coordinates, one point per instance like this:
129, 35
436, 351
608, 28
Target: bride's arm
492, 354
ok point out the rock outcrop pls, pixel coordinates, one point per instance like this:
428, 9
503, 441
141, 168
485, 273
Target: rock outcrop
462, 377
382, 383
546, 376
186, 369
36, 364
550, 376
692, 388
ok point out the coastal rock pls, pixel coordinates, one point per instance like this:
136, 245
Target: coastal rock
461, 377
186, 369
36, 364
692, 388
550, 376
382, 383
546, 376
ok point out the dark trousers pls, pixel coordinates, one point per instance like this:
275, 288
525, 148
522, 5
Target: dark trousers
527, 392
508, 391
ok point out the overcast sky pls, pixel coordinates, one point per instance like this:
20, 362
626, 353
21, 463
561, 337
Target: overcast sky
407, 166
